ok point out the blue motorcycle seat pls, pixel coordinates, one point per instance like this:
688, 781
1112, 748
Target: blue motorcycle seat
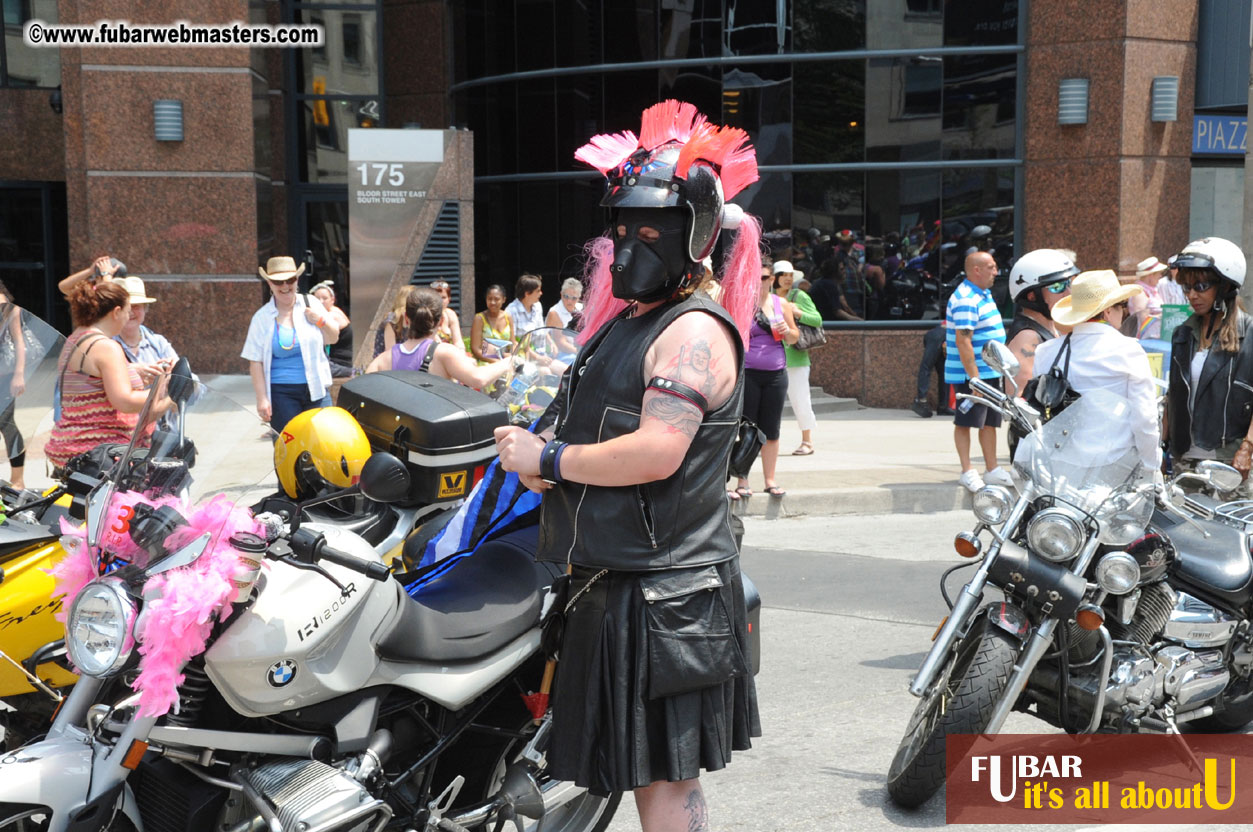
465, 608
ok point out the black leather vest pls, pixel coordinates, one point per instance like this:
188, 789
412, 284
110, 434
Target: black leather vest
683, 520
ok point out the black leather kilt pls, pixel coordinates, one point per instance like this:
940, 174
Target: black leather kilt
653, 681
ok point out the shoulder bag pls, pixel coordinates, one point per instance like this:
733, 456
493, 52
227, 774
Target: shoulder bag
811, 336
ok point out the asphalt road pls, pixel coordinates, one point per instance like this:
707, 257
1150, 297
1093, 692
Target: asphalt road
850, 604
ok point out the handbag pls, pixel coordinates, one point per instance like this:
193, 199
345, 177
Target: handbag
1052, 390
748, 441
810, 336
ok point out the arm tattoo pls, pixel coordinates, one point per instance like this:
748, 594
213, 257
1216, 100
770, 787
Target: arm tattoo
697, 811
1026, 353
695, 366
678, 415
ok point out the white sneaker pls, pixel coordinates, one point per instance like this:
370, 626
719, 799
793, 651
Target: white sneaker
970, 480
999, 476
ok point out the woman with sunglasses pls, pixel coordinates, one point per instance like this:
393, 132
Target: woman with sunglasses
566, 312
285, 347
1037, 282
1210, 399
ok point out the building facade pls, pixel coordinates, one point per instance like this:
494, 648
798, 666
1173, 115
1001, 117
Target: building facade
906, 122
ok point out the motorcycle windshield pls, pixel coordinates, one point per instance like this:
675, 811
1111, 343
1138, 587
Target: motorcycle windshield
192, 446
538, 363
1085, 456
29, 351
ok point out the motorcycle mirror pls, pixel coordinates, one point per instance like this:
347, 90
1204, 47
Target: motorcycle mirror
999, 358
1220, 476
384, 478
181, 384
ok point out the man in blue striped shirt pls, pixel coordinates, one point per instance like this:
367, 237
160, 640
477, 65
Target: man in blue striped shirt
971, 321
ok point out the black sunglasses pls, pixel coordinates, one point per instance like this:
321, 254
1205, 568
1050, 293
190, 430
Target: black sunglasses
1199, 286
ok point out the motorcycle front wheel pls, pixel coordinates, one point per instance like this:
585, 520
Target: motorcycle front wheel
959, 701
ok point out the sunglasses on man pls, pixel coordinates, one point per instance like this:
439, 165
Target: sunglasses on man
286, 282
1058, 287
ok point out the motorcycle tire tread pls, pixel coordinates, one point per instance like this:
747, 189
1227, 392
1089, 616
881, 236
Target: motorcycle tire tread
968, 712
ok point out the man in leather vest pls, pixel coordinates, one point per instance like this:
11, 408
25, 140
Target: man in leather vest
653, 682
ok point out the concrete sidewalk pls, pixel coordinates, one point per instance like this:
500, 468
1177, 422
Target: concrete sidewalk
867, 461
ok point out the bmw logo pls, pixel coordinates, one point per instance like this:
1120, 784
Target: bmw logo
281, 673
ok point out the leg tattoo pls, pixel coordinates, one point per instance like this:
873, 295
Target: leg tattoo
697, 811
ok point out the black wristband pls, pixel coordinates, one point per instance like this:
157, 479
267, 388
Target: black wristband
548, 461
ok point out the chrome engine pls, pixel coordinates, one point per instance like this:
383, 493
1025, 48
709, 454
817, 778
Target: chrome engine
1167, 651
295, 795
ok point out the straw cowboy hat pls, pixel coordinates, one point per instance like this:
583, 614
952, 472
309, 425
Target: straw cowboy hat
134, 287
281, 268
1150, 266
1091, 293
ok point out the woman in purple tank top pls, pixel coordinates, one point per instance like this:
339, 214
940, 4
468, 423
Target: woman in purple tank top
765, 377
422, 351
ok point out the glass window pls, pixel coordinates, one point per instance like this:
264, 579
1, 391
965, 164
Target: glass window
21, 225
903, 105
630, 30
691, 28
757, 27
979, 96
483, 35
327, 224
897, 24
980, 22
627, 94
539, 238
534, 27
829, 112
495, 239
581, 219
758, 98
578, 34
697, 85
27, 66
325, 135
830, 25
579, 104
537, 134
346, 63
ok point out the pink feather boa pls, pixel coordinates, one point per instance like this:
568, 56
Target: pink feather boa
176, 623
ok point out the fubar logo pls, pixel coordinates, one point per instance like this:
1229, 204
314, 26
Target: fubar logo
452, 485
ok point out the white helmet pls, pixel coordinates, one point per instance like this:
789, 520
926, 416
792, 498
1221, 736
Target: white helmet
1039, 268
1223, 256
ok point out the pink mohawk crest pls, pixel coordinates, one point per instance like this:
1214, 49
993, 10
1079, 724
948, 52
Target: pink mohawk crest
607, 151
669, 121
728, 150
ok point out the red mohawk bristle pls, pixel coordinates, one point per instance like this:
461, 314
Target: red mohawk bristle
728, 150
669, 121
607, 151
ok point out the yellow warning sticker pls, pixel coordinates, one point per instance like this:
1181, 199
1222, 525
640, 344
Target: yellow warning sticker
452, 485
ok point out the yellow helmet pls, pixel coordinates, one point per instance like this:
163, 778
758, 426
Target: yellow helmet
318, 449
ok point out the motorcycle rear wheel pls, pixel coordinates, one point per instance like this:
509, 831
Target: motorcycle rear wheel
1237, 712
959, 701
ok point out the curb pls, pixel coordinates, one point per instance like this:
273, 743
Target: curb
906, 499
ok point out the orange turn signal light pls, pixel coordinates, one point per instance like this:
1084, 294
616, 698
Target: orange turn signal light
967, 545
134, 754
943, 621
1090, 617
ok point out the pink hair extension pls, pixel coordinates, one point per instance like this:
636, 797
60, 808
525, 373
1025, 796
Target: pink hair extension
607, 151
599, 304
741, 275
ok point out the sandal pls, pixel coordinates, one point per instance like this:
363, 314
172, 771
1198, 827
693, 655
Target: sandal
805, 449
732, 496
744, 491
775, 491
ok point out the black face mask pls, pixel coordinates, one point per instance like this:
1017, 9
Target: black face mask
648, 271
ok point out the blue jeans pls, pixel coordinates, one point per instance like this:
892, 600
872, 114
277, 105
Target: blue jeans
288, 400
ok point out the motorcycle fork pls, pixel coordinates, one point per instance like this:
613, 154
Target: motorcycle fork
967, 602
1034, 651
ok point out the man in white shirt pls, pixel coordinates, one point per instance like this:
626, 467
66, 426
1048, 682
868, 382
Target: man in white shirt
1102, 358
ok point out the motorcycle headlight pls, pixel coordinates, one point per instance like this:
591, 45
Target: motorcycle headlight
1055, 535
1124, 518
991, 504
98, 632
1118, 573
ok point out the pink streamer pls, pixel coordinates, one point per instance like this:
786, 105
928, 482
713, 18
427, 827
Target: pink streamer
741, 275
599, 304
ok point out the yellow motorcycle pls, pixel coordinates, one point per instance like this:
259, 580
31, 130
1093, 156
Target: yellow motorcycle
32, 664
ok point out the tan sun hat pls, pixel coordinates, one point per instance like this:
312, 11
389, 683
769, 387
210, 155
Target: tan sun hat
1150, 266
134, 287
1091, 293
281, 268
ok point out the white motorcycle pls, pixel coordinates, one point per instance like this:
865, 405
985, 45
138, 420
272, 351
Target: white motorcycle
329, 694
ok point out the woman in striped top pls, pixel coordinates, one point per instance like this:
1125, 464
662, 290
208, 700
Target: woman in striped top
101, 392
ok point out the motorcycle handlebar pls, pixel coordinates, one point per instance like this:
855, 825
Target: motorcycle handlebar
377, 571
